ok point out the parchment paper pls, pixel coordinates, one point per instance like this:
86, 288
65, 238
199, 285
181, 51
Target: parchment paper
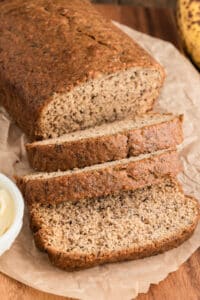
123, 281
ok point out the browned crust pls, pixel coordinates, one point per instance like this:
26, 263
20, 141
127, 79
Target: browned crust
101, 182
75, 44
76, 262
90, 151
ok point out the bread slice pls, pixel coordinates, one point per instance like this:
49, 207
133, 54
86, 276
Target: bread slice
130, 225
64, 67
99, 180
121, 139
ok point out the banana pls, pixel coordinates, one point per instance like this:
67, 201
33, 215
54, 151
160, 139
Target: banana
188, 20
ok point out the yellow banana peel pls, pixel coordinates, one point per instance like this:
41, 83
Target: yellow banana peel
188, 19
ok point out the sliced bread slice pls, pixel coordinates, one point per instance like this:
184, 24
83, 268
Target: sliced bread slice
130, 225
99, 180
121, 139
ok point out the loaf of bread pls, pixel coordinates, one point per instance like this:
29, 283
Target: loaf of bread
99, 180
120, 139
130, 225
64, 67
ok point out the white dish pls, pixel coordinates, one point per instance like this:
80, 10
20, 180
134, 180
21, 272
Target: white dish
10, 235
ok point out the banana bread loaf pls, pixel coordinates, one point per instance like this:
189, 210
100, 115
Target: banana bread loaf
64, 67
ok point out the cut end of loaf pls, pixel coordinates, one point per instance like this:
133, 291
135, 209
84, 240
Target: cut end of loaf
129, 225
106, 99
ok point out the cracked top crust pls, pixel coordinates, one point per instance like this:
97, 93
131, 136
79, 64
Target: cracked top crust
56, 45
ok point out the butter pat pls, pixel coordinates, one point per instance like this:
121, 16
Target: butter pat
7, 211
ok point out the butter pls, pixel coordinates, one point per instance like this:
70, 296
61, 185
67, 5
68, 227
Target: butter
7, 210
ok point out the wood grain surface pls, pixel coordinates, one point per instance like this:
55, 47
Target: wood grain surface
185, 283
147, 3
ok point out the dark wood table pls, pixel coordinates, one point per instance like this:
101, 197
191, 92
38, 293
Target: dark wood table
185, 283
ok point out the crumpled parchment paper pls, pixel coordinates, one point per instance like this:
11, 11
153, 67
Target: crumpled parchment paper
123, 281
